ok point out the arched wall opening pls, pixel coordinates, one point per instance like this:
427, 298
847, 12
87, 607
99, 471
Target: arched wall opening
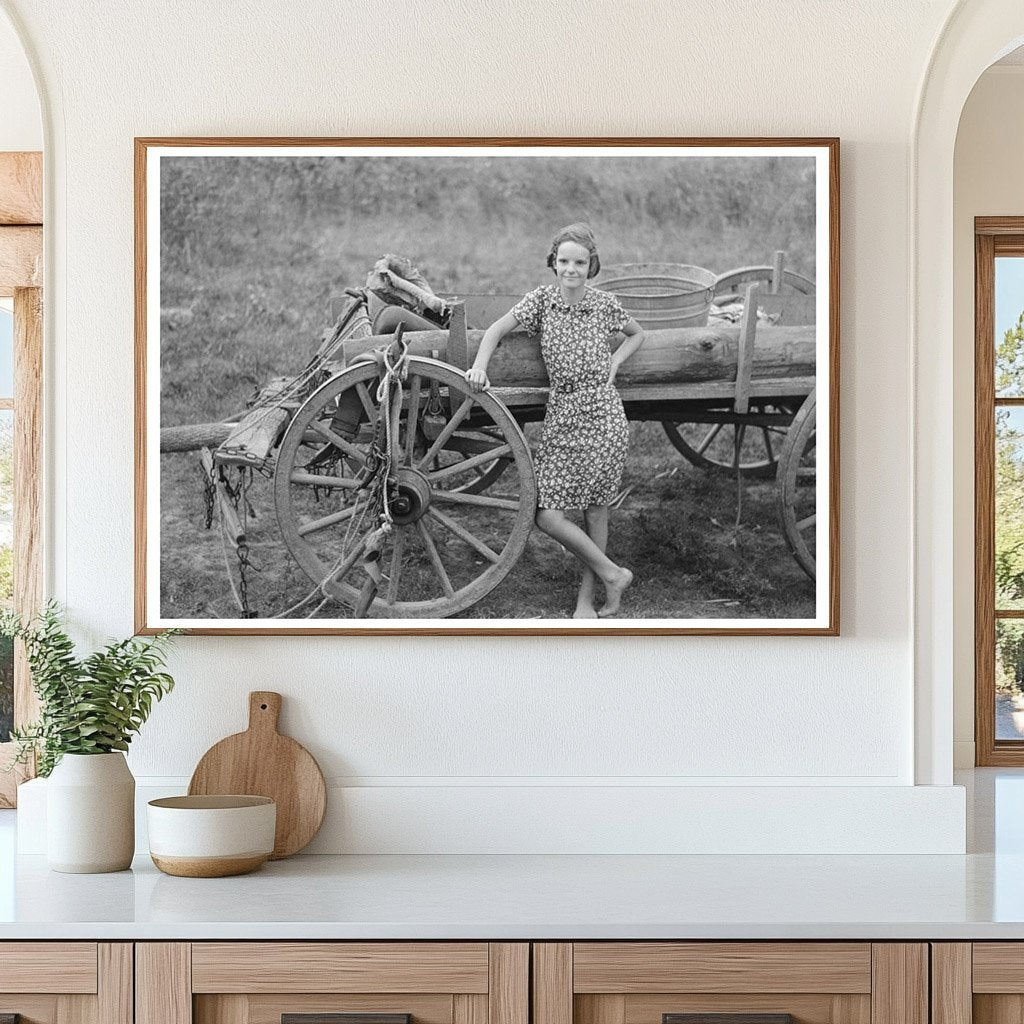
976, 34
989, 151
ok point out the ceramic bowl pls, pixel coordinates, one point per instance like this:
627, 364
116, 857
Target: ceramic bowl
211, 836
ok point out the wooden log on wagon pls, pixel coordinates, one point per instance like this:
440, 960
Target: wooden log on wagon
192, 436
681, 355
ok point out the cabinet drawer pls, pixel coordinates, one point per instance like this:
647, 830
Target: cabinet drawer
65, 967
730, 983
332, 983
633, 967
340, 967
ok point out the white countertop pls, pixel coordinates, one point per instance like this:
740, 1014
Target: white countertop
517, 897
977, 896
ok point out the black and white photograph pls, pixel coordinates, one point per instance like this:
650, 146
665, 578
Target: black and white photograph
487, 386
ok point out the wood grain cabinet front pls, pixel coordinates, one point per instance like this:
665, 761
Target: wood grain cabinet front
730, 983
332, 983
978, 982
66, 982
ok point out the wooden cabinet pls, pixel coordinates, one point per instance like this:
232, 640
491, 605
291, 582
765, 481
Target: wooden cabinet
494, 983
261, 982
654, 982
66, 982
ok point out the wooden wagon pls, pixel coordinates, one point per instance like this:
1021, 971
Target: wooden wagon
401, 492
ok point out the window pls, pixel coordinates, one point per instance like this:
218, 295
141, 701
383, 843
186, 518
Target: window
6, 511
21, 319
999, 490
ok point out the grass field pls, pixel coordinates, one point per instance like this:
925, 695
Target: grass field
253, 250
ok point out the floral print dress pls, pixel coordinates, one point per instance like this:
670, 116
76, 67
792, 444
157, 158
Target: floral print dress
582, 449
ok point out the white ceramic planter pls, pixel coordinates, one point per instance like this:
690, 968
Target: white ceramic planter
90, 814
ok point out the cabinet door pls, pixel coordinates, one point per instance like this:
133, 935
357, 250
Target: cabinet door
332, 983
66, 982
730, 983
981, 982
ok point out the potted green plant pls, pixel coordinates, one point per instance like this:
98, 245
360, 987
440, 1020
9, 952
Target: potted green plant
89, 710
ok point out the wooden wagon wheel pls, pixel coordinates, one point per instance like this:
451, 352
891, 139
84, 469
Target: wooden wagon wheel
713, 446
448, 547
796, 487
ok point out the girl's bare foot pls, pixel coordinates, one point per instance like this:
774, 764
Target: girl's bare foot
613, 589
585, 607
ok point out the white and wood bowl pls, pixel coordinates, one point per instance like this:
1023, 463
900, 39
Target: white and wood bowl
211, 836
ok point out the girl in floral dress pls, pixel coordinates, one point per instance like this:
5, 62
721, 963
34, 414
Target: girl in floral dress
583, 446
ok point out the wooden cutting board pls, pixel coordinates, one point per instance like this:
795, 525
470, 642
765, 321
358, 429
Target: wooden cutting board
262, 762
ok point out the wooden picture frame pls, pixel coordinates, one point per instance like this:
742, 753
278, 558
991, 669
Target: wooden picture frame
232, 234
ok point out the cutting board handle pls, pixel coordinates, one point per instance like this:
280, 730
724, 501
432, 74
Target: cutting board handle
264, 710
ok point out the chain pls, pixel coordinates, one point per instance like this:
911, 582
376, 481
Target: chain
209, 496
244, 565
241, 500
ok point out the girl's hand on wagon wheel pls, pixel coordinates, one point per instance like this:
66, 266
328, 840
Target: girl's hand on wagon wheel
477, 379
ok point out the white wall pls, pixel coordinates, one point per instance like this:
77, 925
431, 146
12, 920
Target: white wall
21, 127
425, 716
987, 182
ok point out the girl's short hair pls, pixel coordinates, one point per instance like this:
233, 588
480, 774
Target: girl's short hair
581, 234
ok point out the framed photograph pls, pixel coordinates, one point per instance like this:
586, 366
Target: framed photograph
566, 386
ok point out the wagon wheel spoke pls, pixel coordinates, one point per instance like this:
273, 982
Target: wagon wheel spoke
394, 572
463, 451
325, 522
449, 428
435, 558
768, 443
319, 480
471, 463
412, 420
807, 523
709, 437
339, 442
367, 403
339, 572
481, 500
464, 534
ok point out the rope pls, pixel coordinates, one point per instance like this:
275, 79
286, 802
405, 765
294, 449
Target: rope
318, 588
394, 372
396, 368
312, 369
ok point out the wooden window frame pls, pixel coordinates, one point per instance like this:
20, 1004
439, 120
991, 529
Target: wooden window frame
21, 278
